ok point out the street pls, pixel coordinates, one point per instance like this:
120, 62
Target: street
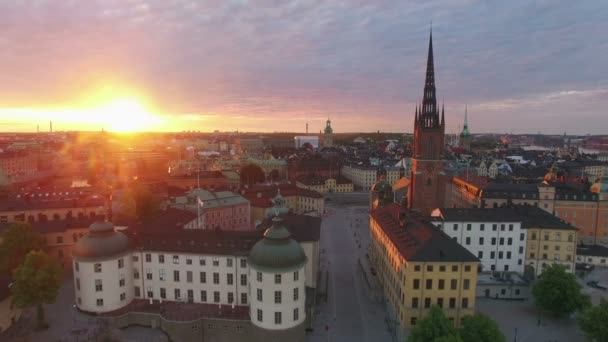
351, 313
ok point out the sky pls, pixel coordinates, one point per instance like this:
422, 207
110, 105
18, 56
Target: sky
519, 66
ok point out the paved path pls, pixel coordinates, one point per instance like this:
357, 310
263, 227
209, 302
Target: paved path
351, 314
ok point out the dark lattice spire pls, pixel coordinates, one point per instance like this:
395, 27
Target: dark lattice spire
443, 114
429, 112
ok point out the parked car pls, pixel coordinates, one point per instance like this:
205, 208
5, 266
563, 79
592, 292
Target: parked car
584, 266
596, 285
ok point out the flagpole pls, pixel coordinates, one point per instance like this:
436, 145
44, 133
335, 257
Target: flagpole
198, 209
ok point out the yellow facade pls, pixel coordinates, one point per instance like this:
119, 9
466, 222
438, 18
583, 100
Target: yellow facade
411, 288
545, 247
330, 185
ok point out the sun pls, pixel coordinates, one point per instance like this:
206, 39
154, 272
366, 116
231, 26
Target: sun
126, 115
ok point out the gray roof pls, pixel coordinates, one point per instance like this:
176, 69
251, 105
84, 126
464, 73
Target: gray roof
592, 250
478, 215
277, 251
101, 242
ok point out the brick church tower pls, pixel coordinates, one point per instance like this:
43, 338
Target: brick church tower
427, 176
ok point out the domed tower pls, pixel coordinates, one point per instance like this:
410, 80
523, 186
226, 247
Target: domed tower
277, 288
465, 135
381, 193
103, 269
328, 140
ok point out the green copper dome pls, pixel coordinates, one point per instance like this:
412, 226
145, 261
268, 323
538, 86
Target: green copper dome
277, 251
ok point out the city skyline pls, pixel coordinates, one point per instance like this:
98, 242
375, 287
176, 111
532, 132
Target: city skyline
280, 65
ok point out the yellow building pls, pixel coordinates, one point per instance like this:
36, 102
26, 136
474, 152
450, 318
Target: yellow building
419, 266
325, 185
549, 240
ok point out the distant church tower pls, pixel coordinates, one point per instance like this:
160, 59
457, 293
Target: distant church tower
427, 176
328, 140
465, 135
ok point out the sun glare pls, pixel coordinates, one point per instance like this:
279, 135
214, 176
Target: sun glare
126, 115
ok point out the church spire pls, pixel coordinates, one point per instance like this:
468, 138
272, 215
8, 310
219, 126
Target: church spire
443, 114
466, 121
429, 112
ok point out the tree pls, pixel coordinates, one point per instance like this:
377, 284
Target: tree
433, 327
252, 174
480, 328
593, 320
138, 202
558, 292
18, 240
36, 282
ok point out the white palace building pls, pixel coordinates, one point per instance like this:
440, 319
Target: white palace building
202, 285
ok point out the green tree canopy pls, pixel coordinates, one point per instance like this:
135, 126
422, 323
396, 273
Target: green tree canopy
480, 328
433, 327
18, 240
251, 174
36, 282
594, 322
558, 292
138, 202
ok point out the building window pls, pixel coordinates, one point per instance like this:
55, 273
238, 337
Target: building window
510, 227
216, 262
481, 241
522, 236
259, 295
494, 227
259, 276
260, 316
492, 255
216, 278
149, 291
175, 275
137, 291
161, 259
163, 293
454, 284
452, 303
216, 296
277, 297
415, 302
243, 298
77, 284
416, 284
493, 241
99, 302
429, 268
296, 276
121, 263
228, 262
229, 278
296, 293
243, 279
203, 277
188, 261
454, 268
465, 302
97, 268
243, 263
161, 275
148, 257
177, 294
441, 285
98, 285
76, 266
502, 241
466, 284
277, 318
468, 240
427, 302
482, 227
121, 281
188, 276
508, 255
296, 314
176, 259
455, 226
413, 320
546, 237
417, 268
202, 261
230, 297
429, 284
440, 302
277, 278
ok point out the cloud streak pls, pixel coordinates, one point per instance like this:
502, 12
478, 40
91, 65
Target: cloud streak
275, 65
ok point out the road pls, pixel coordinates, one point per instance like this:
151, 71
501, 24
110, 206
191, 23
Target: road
351, 314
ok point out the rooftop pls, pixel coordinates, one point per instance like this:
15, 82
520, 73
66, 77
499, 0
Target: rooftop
417, 239
56, 226
22, 204
535, 217
478, 215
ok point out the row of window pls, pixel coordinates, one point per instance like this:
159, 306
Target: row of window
190, 277
278, 295
556, 256
558, 237
451, 302
177, 295
442, 268
278, 319
501, 254
97, 266
202, 261
501, 241
482, 227
277, 277
466, 283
